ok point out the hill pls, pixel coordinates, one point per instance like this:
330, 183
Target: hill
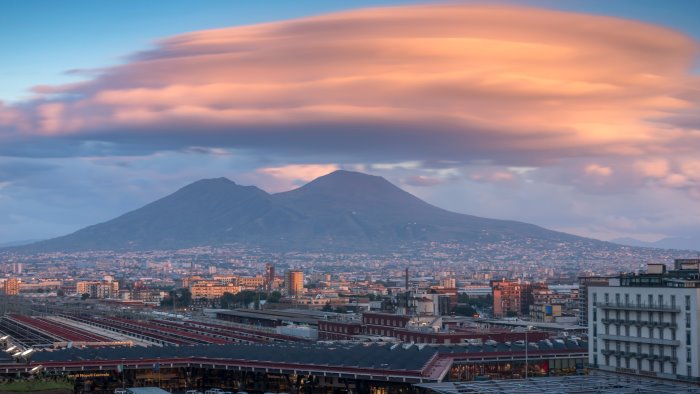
339, 211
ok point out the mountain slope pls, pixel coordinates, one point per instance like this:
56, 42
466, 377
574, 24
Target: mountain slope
341, 210
204, 212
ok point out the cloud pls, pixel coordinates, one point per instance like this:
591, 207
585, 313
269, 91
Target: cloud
290, 176
512, 85
655, 168
598, 170
422, 180
493, 176
457, 97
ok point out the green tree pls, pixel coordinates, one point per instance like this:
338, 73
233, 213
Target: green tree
84, 296
274, 297
464, 310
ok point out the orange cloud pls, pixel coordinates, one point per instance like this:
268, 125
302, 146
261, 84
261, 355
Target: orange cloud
598, 170
443, 81
299, 172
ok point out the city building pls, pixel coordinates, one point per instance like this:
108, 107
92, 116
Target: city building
294, 282
11, 286
269, 276
647, 324
98, 289
584, 282
509, 298
251, 282
545, 313
209, 290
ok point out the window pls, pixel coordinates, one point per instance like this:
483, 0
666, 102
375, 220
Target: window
673, 300
607, 299
617, 298
595, 298
687, 303
595, 314
595, 330
688, 355
687, 337
687, 320
627, 299
661, 299
650, 299
639, 299
690, 370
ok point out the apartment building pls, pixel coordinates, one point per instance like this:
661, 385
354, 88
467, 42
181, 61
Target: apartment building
647, 324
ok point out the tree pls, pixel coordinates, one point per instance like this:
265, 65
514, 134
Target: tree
181, 297
84, 296
60, 293
464, 310
327, 307
274, 297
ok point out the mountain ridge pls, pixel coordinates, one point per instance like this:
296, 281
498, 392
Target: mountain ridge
338, 211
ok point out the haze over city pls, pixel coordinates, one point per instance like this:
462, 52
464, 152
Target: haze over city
576, 116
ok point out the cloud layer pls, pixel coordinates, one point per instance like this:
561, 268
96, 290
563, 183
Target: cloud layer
434, 96
443, 82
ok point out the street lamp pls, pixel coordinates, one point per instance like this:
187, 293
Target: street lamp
527, 330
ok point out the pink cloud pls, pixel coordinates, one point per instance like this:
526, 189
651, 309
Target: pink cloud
422, 180
433, 82
494, 176
282, 178
598, 170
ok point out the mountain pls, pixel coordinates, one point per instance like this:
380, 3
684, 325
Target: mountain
18, 243
681, 243
339, 211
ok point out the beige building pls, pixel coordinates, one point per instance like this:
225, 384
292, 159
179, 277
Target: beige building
11, 286
212, 290
104, 289
252, 282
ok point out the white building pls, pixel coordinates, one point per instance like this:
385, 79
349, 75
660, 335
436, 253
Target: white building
647, 324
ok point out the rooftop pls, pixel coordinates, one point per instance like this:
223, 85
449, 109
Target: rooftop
597, 383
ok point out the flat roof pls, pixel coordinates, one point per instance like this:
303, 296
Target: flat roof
525, 323
595, 384
361, 355
296, 315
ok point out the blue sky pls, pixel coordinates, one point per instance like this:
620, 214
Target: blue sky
603, 145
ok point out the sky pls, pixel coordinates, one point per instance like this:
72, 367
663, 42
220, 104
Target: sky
579, 116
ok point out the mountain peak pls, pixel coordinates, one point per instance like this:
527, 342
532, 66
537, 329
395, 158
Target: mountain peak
343, 181
214, 181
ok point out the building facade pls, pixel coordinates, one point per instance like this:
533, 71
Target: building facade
294, 281
647, 324
11, 286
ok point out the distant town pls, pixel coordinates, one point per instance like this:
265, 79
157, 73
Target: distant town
478, 303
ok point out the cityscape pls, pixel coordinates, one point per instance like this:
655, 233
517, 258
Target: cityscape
350, 197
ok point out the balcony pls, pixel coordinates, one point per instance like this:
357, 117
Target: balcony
638, 307
640, 323
652, 341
